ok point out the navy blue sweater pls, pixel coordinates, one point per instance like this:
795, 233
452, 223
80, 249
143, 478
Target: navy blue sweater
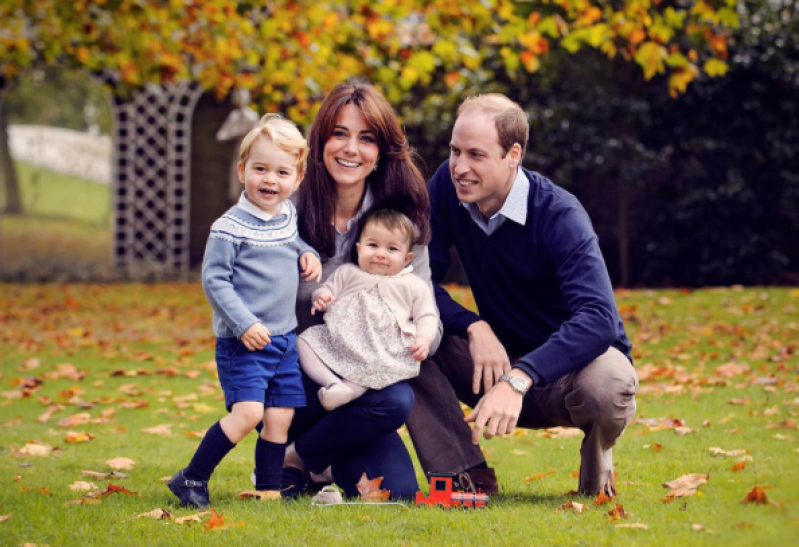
542, 287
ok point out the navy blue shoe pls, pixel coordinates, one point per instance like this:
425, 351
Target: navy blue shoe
294, 483
190, 492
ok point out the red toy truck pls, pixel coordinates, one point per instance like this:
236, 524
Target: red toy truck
441, 494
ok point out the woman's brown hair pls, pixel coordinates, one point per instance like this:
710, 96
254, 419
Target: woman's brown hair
397, 184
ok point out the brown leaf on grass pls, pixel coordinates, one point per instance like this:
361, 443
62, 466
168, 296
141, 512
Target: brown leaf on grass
618, 512
32, 363
744, 525
188, 519
112, 489
539, 476
35, 448
82, 486
131, 388
716, 451
730, 370
83, 501
163, 429
52, 409
686, 485
195, 434
157, 514
4, 518
134, 404
122, 463
370, 489
756, 495
773, 411
740, 402
602, 499
260, 494
104, 475
634, 525
559, 433
683, 430
738, 466
573, 506
217, 522
78, 437
784, 424
13, 421
654, 447
76, 419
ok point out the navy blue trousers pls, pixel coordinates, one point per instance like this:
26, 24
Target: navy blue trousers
358, 437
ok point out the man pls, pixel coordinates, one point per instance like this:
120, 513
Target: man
549, 347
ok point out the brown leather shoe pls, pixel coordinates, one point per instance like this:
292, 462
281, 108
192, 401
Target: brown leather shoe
473, 480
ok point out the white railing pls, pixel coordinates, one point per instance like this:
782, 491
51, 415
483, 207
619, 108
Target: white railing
62, 150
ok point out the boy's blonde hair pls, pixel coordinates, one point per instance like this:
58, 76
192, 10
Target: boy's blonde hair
283, 133
394, 221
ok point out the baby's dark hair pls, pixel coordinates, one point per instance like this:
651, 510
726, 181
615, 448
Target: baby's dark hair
393, 220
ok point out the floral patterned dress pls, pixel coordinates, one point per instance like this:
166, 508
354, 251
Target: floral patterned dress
361, 341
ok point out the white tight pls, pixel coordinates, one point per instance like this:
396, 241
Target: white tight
335, 391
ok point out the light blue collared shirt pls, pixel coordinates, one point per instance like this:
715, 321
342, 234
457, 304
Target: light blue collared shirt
345, 241
514, 208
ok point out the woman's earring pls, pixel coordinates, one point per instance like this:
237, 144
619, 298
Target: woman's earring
374, 169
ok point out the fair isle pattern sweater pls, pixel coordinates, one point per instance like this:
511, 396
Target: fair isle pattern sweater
251, 269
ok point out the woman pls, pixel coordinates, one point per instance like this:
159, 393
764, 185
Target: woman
359, 161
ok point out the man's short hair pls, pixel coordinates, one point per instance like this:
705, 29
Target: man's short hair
509, 118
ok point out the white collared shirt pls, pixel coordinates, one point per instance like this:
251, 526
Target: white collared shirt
514, 208
247, 206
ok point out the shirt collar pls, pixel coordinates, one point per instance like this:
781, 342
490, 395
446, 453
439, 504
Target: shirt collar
368, 200
247, 206
515, 206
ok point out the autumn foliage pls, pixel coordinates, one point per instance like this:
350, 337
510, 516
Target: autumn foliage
290, 53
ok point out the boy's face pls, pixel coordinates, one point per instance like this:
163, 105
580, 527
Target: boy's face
269, 176
382, 251
479, 171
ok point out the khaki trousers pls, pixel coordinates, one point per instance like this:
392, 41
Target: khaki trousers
599, 399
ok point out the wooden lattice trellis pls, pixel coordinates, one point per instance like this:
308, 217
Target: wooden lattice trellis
152, 175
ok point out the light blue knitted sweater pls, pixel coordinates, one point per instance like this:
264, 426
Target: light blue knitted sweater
251, 269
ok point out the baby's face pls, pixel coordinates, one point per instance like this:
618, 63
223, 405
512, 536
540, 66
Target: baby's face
383, 251
269, 176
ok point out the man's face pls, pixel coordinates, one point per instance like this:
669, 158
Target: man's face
479, 171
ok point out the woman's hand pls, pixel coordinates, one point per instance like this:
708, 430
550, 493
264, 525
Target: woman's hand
310, 267
321, 302
256, 337
420, 348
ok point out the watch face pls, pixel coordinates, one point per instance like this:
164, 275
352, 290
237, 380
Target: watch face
518, 383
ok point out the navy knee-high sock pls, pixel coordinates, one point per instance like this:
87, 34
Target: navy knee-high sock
268, 464
214, 446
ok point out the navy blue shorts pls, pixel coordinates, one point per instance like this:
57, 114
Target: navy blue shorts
270, 376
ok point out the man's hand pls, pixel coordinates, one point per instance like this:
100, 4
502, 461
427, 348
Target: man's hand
321, 302
420, 348
256, 337
310, 267
498, 410
488, 354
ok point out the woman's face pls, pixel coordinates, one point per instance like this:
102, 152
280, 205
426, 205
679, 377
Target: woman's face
351, 151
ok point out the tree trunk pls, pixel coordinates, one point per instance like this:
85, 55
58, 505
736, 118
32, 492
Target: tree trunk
7, 169
624, 234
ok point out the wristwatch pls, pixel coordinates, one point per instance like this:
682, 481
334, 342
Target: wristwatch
518, 383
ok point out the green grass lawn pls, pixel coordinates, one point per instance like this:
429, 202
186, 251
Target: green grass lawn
722, 362
65, 230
